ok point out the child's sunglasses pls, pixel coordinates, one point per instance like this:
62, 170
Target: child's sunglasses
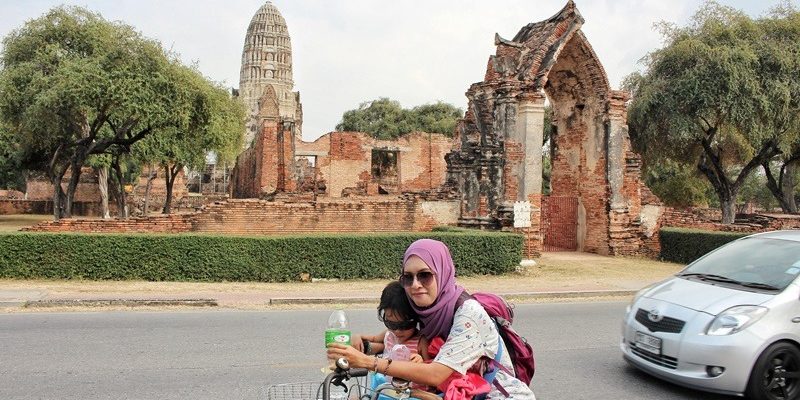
424, 278
399, 326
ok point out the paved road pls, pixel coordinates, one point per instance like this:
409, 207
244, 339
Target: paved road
233, 355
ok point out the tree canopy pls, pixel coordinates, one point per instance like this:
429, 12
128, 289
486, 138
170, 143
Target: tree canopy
721, 95
209, 120
11, 176
387, 119
73, 85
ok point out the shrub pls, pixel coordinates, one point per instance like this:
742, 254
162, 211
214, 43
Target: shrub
233, 258
682, 245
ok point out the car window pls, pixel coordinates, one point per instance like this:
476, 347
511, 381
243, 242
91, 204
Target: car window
772, 262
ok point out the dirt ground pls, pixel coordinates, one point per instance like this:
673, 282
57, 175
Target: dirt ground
553, 272
12, 223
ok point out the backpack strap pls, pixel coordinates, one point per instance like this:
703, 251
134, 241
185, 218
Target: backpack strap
464, 296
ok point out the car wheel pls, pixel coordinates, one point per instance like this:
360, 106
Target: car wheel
776, 374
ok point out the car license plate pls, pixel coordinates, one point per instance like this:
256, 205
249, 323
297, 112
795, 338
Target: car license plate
648, 343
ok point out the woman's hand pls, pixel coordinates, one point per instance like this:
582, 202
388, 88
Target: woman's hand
416, 358
356, 358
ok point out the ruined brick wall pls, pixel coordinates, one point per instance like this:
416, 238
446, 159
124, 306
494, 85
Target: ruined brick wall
45, 207
578, 170
347, 160
243, 182
353, 214
256, 171
154, 224
423, 167
580, 153
159, 184
261, 217
591, 156
11, 194
344, 161
40, 188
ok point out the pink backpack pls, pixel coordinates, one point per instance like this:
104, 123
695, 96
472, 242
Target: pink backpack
502, 313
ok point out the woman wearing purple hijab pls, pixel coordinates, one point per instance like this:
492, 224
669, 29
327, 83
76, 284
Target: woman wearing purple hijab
428, 277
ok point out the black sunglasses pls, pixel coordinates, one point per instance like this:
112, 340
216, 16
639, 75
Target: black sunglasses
424, 277
399, 326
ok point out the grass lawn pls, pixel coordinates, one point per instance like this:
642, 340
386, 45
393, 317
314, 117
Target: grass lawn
14, 222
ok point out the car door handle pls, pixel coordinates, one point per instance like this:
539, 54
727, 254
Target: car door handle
796, 320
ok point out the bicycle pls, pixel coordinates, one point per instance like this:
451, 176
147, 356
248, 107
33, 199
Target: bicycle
334, 387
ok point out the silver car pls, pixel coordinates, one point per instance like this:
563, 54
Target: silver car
728, 323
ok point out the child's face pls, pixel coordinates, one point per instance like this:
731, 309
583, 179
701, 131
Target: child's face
404, 329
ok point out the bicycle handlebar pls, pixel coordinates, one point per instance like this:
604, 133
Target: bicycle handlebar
336, 377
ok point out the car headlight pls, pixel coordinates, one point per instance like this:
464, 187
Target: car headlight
735, 319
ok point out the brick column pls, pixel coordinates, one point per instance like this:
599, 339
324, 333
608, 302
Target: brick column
622, 235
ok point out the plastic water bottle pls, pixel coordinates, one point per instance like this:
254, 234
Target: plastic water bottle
338, 332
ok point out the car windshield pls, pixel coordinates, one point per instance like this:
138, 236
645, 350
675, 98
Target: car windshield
756, 263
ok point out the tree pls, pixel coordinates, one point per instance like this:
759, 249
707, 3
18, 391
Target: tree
784, 186
714, 97
677, 184
438, 117
781, 51
207, 120
73, 85
755, 191
386, 119
11, 173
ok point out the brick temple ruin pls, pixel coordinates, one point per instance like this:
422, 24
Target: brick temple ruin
351, 182
596, 200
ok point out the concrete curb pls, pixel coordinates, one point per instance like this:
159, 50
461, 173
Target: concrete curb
569, 294
120, 302
521, 296
322, 300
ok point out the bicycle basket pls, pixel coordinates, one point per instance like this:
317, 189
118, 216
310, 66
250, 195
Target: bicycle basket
311, 391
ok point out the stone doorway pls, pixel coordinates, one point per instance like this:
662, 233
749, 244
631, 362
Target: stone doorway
500, 158
560, 223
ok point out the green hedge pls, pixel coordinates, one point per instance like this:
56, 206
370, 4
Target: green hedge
686, 245
232, 258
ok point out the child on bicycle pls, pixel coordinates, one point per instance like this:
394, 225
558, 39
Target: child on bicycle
395, 311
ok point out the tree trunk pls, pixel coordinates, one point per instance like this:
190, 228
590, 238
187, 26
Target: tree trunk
170, 174
56, 173
152, 173
102, 183
122, 211
58, 196
788, 184
783, 187
728, 206
76, 163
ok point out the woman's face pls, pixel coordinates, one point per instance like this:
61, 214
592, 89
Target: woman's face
421, 291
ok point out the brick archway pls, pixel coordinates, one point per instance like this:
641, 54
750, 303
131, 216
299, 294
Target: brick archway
500, 158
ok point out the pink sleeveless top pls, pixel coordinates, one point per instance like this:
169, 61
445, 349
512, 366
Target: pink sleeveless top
412, 343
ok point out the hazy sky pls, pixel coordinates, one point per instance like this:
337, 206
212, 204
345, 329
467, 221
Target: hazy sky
349, 51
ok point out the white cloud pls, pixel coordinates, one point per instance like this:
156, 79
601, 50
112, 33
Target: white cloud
349, 51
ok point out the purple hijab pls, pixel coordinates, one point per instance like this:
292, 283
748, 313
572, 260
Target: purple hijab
437, 319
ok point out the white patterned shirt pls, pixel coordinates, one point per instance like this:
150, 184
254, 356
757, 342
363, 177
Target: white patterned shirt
474, 335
